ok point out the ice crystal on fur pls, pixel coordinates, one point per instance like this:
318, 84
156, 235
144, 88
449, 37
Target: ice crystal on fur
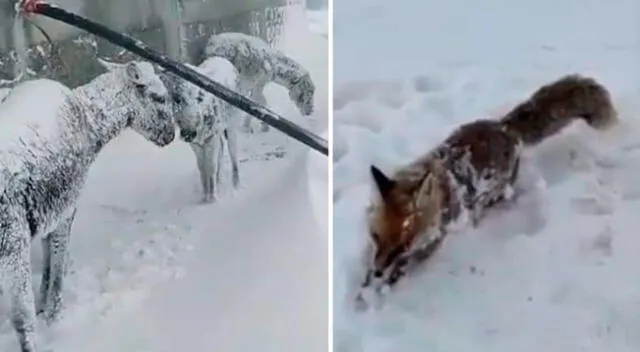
206, 122
259, 64
49, 138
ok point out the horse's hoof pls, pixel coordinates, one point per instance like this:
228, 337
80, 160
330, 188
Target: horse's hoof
247, 129
208, 200
49, 318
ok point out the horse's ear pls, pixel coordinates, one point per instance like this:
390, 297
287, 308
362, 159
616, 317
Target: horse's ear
110, 66
133, 72
384, 184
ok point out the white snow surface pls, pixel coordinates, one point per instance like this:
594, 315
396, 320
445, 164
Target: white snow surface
557, 271
318, 21
155, 271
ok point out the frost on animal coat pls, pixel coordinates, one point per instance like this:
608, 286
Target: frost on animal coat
468, 173
49, 137
206, 122
259, 64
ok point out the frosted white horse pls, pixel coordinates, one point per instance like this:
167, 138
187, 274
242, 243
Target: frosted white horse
259, 64
49, 137
206, 122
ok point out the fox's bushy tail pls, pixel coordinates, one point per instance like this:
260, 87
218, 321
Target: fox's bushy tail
553, 106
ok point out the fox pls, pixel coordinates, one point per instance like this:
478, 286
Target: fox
471, 171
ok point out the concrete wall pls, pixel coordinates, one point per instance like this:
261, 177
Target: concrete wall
72, 59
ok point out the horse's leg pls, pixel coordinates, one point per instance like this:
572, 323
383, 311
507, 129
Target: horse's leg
15, 263
218, 153
231, 136
247, 87
261, 99
56, 246
200, 159
210, 168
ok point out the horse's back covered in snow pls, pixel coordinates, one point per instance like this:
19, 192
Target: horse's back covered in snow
39, 119
26, 114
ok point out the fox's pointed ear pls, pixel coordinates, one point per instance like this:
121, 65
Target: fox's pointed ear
426, 192
429, 190
385, 185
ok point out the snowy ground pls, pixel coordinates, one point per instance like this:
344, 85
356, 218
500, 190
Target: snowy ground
556, 272
318, 22
153, 270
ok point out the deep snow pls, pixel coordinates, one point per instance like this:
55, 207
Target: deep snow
154, 270
555, 272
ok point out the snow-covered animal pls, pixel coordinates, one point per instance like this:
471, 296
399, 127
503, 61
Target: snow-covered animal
49, 137
472, 170
206, 122
259, 64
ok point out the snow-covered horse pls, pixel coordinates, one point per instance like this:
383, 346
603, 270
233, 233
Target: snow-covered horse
49, 137
259, 64
206, 122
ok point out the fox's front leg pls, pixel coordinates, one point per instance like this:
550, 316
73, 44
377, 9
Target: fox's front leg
369, 296
476, 211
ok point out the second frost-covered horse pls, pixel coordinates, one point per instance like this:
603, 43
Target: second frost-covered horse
207, 122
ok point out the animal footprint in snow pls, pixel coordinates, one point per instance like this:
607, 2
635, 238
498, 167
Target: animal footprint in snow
368, 299
579, 162
473, 270
425, 84
599, 246
603, 242
600, 198
592, 205
246, 128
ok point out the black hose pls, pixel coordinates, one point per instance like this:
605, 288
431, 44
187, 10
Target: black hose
260, 112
